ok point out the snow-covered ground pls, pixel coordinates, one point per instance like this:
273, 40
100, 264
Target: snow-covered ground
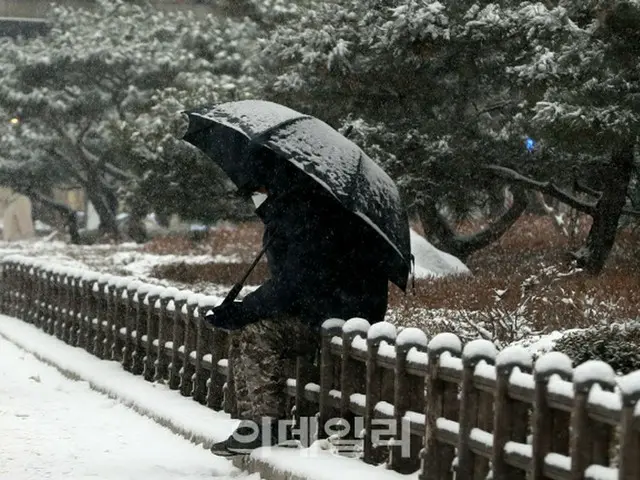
57, 428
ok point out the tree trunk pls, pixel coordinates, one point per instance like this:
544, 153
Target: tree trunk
135, 226
440, 233
108, 224
607, 212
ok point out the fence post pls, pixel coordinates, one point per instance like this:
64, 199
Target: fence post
200, 376
588, 439
130, 325
176, 364
74, 322
54, 284
630, 432
19, 271
330, 328
64, 304
352, 380
67, 304
510, 418
101, 302
186, 380
408, 392
215, 390
544, 423
137, 357
469, 466
30, 283
378, 333
5, 285
107, 322
48, 302
16, 292
437, 457
152, 332
161, 363
84, 313
118, 319
59, 307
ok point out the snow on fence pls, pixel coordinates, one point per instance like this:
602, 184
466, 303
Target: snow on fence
470, 410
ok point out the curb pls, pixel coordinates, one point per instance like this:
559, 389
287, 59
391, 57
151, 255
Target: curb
264, 469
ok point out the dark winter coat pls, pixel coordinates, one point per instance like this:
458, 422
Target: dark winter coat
322, 263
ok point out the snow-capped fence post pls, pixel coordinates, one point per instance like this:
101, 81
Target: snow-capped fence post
5, 284
102, 306
186, 383
48, 316
39, 311
9, 284
215, 384
352, 377
203, 343
548, 424
107, 322
177, 337
408, 397
30, 283
162, 359
62, 303
27, 283
377, 334
9, 267
129, 325
16, 288
51, 303
629, 427
137, 357
83, 320
67, 304
151, 332
56, 299
590, 440
19, 290
330, 328
118, 319
441, 402
511, 417
472, 466
76, 301
12, 285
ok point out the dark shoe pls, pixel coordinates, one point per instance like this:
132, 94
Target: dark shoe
220, 449
246, 438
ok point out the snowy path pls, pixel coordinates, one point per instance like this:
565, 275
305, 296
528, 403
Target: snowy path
55, 428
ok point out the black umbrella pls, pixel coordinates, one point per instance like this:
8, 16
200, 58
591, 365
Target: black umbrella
233, 133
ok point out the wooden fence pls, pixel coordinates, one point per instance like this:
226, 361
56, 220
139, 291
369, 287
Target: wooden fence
467, 410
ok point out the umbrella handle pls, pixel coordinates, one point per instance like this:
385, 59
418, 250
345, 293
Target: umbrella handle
237, 288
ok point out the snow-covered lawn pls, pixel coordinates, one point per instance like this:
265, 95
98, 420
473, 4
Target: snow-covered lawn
54, 427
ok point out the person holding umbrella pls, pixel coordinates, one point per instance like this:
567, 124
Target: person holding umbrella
335, 234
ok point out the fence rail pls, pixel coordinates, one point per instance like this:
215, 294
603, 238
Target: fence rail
457, 411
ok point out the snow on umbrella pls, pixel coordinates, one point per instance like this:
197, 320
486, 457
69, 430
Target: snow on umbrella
232, 133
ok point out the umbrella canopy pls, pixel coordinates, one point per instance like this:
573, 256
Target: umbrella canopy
233, 133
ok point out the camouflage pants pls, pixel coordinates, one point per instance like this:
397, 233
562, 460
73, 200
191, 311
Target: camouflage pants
263, 356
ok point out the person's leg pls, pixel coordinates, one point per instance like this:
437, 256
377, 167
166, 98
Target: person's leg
259, 382
265, 357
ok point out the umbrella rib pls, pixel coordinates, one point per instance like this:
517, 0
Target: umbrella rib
262, 136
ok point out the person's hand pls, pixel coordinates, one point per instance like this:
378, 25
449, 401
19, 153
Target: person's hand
227, 316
